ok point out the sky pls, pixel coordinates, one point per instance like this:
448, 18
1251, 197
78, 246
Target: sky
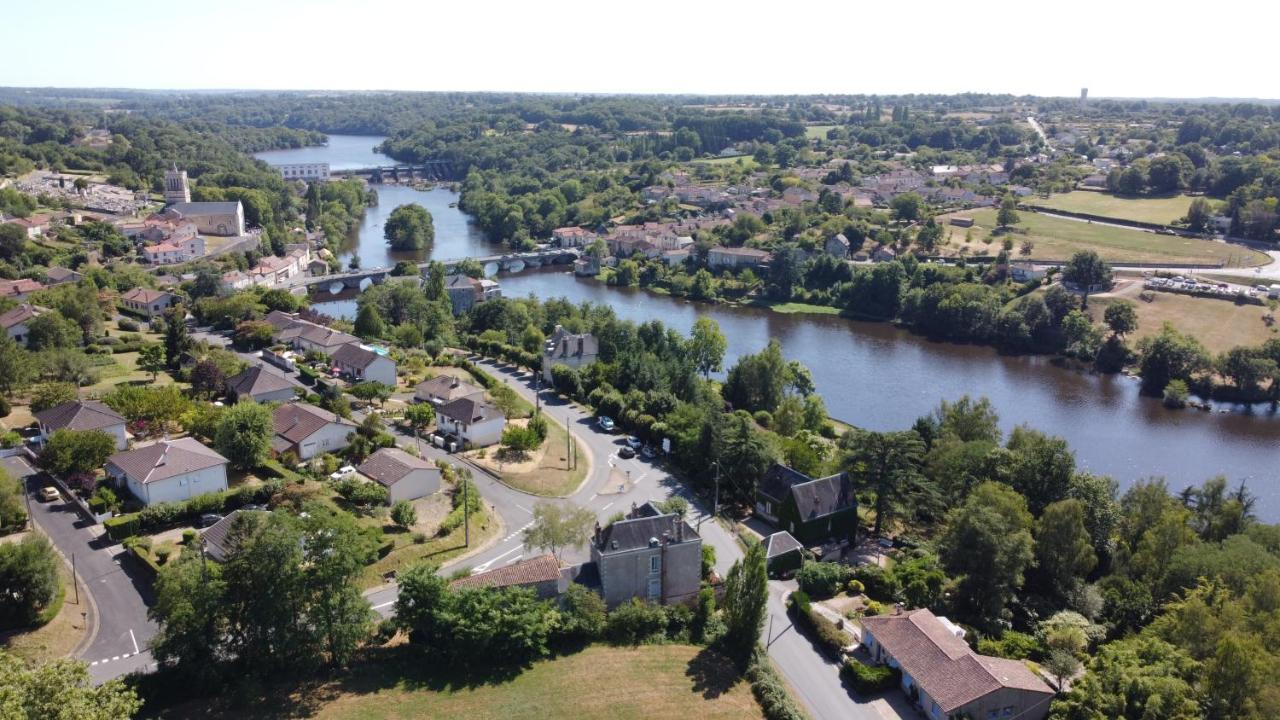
1116, 48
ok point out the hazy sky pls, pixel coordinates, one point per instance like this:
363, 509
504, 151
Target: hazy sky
1118, 48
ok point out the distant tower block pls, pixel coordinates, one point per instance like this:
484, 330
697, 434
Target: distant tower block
1084, 96
176, 189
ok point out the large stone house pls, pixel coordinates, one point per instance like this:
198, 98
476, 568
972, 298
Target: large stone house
732, 258
83, 415
812, 510
837, 246
362, 364
467, 292
947, 679
169, 470
211, 218
649, 555
306, 430
566, 348
405, 476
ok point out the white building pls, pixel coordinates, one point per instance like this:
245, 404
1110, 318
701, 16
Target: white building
174, 251
306, 430
212, 218
404, 476
363, 364
15, 321
83, 415
304, 171
148, 302
169, 470
472, 420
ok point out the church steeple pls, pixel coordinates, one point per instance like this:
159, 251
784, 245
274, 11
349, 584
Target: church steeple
176, 189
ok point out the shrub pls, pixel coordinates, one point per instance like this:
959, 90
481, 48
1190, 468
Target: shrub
874, 607
823, 579
1176, 394
876, 581
122, 527
127, 325
830, 638
419, 538
763, 418
5, 407
770, 691
636, 623
204, 503
189, 537
162, 555
1012, 645
870, 679
160, 515
582, 615
855, 587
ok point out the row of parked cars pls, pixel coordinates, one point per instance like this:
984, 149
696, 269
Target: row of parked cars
1193, 286
633, 444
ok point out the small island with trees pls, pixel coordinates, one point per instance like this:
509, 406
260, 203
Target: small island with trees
410, 227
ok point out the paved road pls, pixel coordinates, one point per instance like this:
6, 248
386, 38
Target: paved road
120, 592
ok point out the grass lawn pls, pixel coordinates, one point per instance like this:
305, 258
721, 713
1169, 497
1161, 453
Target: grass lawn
61, 634
552, 476
1057, 238
797, 308
817, 132
651, 682
436, 550
122, 368
1162, 210
1219, 324
747, 161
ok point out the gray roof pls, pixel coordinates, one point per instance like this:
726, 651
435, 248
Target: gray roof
257, 380
166, 459
780, 543
297, 421
625, 535
353, 355
215, 536
777, 481
389, 466
824, 496
446, 387
471, 409
80, 415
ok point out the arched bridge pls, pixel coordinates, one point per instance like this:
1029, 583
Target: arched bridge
509, 262
426, 170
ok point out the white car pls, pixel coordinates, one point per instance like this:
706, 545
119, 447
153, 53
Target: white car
342, 472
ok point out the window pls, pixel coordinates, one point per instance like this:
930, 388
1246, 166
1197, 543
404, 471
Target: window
655, 563
1008, 711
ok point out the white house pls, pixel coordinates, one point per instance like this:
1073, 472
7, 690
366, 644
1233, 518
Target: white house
404, 476
148, 302
304, 171
15, 321
364, 364
720, 257
472, 420
169, 470
306, 430
174, 251
258, 384
443, 389
83, 415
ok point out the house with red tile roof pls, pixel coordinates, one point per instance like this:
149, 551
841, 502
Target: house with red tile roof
541, 574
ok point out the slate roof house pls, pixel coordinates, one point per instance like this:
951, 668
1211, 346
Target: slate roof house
364, 365
258, 384
782, 553
471, 419
83, 415
169, 470
812, 510
945, 678
306, 430
404, 476
837, 246
541, 574
649, 555
566, 348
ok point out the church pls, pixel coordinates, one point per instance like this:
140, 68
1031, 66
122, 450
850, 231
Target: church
210, 218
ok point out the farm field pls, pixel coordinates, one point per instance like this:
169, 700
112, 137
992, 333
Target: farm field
1057, 238
1161, 210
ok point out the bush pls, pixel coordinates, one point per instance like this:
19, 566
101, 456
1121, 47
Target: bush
1176, 394
1012, 645
5, 407
763, 418
189, 537
162, 555
823, 579
123, 527
204, 503
770, 691
830, 638
582, 614
161, 515
855, 587
870, 679
876, 581
636, 623
127, 325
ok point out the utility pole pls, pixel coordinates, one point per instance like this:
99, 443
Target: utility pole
74, 584
466, 515
537, 393
715, 504
568, 441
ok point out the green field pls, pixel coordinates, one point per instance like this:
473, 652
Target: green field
1160, 210
747, 161
1057, 238
606, 683
817, 132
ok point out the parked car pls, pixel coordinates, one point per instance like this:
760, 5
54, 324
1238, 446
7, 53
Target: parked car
648, 453
635, 443
208, 519
50, 494
606, 423
342, 472
626, 453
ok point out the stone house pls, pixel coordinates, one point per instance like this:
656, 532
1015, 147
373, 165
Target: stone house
732, 258
540, 574
837, 246
812, 510
566, 348
649, 555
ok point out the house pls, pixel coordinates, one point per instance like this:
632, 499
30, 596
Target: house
211, 218
19, 289
215, 538
586, 267
569, 349
1026, 272
571, 237
650, 555
676, 257
812, 510
83, 415
961, 221
33, 226
15, 321
798, 196
884, 253
174, 251
837, 246
1097, 181
735, 257
540, 574
146, 301
272, 270
443, 389
947, 679
169, 470
363, 364
260, 385
467, 292
782, 553
306, 430
404, 476
303, 335
58, 276
472, 420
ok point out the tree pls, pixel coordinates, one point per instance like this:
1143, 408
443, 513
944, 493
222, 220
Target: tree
1064, 550
16, 366
745, 598
582, 613
336, 552
371, 390
1136, 678
53, 394
1086, 271
1170, 355
403, 514
52, 330
420, 416
1008, 213
1061, 666
757, 382
176, 338
907, 206
151, 359
556, 527
244, 435
1199, 214
369, 323
60, 690
505, 399
743, 457
888, 465
988, 546
28, 581
76, 452
409, 227
188, 609
13, 509
707, 345
208, 379
1122, 317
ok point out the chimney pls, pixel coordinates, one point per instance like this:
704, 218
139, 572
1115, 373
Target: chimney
595, 537
679, 530
633, 510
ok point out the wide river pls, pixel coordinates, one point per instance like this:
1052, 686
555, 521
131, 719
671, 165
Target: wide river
876, 376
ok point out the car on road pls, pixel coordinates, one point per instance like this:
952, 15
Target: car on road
635, 443
208, 519
606, 423
50, 494
342, 472
626, 453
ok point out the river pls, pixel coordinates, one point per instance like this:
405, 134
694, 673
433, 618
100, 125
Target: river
879, 377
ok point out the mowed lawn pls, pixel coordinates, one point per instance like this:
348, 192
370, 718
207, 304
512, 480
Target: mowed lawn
1057, 238
1218, 324
817, 132
1161, 210
653, 682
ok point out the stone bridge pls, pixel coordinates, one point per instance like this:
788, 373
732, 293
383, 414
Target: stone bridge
509, 262
426, 170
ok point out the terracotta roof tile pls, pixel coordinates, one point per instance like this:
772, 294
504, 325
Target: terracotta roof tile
544, 568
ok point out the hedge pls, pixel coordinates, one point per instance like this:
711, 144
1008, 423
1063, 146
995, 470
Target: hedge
122, 527
770, 691
830, 638
870, 679
164, 515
